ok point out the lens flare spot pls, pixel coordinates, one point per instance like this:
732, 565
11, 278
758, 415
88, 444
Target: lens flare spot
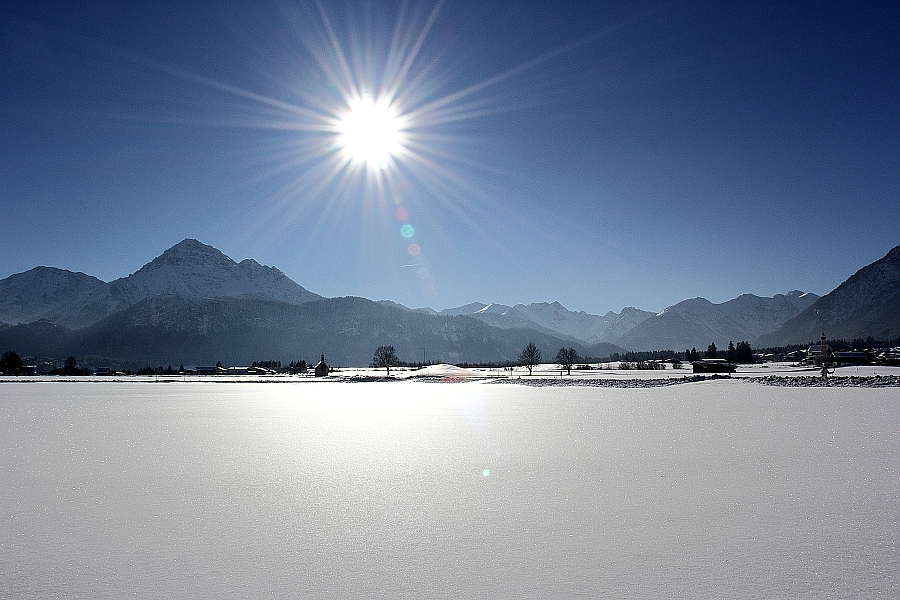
407, 231
402, 214
486, 473
413, 249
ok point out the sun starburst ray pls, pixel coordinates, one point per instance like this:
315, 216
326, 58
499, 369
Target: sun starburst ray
374, 124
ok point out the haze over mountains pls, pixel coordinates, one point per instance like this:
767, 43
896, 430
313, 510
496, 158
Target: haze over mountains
556, 319
195, 305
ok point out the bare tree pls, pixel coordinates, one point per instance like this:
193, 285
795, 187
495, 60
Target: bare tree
566, 357
386, 357
530, 357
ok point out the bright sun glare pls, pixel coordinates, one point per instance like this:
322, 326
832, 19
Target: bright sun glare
371, 133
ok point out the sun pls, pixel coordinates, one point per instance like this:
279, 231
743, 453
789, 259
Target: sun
371, 133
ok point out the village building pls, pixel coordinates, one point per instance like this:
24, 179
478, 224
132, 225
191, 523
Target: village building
321, 369
713, 365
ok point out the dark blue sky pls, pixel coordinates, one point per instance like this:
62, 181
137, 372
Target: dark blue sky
598, 155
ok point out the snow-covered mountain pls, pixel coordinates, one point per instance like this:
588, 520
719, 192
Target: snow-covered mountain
553, 317
696, 322
623, 322
866, 304
53, 294
189, 269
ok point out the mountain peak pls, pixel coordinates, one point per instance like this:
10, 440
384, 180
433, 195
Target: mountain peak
190, 250
191, 244
892, 255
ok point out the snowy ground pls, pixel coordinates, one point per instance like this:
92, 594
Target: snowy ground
322, 489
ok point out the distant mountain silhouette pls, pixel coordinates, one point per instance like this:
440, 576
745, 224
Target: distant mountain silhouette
866, 304
688, 324
554, 318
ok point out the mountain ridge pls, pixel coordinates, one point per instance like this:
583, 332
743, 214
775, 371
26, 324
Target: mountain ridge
168, 296
866, 304
696, 322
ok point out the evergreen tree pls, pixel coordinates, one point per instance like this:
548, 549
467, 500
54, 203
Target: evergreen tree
711, 351
743, 353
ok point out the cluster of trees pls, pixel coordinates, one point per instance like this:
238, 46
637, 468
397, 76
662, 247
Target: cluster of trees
70, 367
297, 366
272, 365
642, 356
11, 364
530, 357
742, 353
160, 370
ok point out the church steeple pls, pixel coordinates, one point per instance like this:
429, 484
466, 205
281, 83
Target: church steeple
321, 369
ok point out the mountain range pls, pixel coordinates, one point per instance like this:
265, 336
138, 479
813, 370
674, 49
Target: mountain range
195, 305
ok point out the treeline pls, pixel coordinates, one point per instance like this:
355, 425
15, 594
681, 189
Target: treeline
12, 364
736, 353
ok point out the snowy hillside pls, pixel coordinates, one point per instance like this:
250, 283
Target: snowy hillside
50, 293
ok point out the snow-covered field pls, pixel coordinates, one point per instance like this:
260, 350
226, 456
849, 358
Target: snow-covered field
718, 488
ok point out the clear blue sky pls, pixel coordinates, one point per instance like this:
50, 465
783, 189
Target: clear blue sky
598, 154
